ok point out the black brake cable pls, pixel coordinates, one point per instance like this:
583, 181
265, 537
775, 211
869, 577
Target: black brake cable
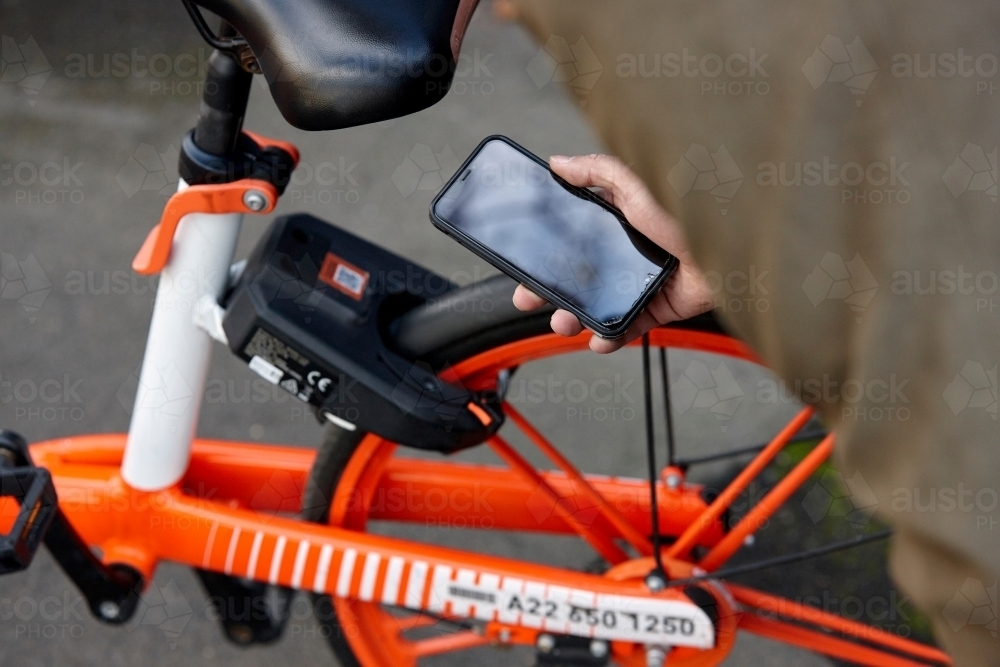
664, 375
785, 560
658, 577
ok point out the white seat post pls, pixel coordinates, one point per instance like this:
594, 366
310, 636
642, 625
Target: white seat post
175, 365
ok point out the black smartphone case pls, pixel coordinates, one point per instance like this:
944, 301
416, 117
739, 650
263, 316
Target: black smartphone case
612, 331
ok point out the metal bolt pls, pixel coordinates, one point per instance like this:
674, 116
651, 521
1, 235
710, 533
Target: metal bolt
673, 481
505, 636
598, 648
545, 642
655, 656
109, 610
655, 582
249, 61
749, 540
255, 200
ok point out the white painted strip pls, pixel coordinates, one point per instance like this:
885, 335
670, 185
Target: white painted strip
300, 563
276, 558
415, 585
393, 576
489, 582
368, 576
209, 544
346, 573
323, 569
462, 606
258, 539
231, 553
439, 585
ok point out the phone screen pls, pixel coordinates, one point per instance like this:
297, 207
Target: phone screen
572, 245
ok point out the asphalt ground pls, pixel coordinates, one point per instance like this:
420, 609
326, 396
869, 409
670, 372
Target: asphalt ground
87, 160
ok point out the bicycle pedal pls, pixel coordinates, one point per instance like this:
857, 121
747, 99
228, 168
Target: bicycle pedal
28, 497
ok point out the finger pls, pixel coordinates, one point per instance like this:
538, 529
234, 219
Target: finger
622, 188
643, 323
525, 299
602, 171
565, 323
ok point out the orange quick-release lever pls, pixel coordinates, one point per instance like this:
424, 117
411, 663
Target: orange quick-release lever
247, 195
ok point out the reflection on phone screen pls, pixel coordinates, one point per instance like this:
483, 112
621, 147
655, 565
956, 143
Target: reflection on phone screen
575, 247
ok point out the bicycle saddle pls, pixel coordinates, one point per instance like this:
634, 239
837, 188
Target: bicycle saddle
338, 63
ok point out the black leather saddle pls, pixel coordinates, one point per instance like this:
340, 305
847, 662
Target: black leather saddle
339, 63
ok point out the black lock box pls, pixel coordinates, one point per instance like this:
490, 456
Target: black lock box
310, 312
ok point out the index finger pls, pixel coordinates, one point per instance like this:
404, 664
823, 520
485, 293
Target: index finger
603, 171
525, 299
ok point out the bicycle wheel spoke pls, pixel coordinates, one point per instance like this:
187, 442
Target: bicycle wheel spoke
756, 517
772, 605
626, 530
601, 543
689, 537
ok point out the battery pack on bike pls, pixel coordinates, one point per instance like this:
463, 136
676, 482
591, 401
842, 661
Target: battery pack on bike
309, 314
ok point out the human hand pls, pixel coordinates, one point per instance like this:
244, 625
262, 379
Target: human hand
685, 293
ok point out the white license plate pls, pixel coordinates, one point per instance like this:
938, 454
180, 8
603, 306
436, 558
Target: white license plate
569, 611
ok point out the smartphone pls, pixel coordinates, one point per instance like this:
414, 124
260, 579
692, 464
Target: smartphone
565, 243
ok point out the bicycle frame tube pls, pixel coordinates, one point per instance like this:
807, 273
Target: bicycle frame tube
229, 521
175, 364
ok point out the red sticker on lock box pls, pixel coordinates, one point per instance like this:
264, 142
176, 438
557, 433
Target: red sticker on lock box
344, 276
